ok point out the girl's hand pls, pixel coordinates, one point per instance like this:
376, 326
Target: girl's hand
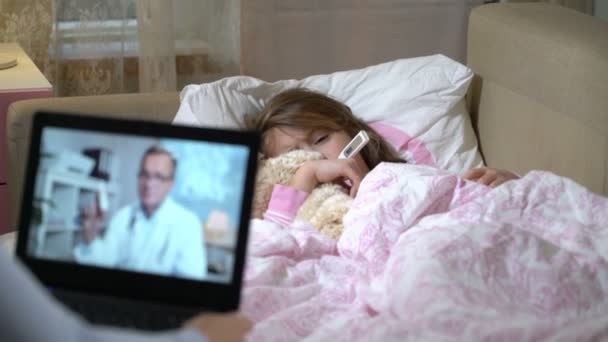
489, 176
314, 172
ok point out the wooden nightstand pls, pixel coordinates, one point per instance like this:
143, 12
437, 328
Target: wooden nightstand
23, 81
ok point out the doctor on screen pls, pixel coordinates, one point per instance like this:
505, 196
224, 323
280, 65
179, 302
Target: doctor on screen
153, 235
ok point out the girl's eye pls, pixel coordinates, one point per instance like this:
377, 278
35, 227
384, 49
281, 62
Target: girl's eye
321, 139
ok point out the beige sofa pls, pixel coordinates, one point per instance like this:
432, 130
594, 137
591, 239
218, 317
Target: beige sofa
539, 101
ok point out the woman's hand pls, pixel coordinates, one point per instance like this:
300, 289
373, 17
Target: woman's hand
314, 172
489, 176
219, 327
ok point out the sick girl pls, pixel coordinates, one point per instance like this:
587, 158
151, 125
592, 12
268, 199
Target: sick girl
302, 119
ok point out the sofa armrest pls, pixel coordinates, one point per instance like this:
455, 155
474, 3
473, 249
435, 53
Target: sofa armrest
146, 106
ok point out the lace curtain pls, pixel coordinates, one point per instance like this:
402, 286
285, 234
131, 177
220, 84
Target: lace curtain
89, 47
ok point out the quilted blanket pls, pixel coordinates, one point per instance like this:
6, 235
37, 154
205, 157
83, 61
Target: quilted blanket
426, 255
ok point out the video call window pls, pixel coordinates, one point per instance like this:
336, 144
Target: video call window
160, 206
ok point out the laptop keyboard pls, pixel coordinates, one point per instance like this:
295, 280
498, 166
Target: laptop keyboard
125, 313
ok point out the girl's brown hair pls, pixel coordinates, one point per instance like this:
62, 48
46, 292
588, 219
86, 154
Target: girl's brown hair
305, 109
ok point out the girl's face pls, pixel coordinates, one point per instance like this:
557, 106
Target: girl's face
280, 140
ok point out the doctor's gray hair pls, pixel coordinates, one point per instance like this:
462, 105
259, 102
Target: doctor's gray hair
157, 149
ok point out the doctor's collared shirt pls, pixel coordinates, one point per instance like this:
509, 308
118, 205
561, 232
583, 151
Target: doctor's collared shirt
170, 242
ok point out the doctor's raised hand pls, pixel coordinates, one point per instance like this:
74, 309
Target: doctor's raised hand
91, 221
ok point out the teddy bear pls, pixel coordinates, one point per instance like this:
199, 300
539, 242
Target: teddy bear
325, 206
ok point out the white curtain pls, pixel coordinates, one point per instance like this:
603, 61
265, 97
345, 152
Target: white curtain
155, 30
89, 47
293, 39
89, 43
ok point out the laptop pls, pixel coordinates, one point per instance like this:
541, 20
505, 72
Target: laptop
135, 223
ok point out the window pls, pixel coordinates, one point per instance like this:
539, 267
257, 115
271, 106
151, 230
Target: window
92, 29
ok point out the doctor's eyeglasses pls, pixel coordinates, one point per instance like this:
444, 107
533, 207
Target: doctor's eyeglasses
156, 177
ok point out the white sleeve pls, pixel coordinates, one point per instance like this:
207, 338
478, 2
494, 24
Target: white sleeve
30, 314
105, 251
192, 260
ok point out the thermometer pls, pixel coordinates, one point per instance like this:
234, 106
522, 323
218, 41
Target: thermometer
354, 146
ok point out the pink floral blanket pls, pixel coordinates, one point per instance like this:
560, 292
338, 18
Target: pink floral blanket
428, 256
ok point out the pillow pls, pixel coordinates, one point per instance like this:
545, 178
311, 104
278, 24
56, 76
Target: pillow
423, 97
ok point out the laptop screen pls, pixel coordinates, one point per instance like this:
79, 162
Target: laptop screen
147, 204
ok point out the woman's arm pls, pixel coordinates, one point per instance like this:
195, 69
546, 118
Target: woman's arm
29, 313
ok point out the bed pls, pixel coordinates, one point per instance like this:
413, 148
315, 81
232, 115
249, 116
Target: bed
456, 261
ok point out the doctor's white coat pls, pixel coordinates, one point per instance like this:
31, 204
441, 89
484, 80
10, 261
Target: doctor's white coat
170, 242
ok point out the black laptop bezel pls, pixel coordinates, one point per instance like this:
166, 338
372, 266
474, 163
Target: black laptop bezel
132, 285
